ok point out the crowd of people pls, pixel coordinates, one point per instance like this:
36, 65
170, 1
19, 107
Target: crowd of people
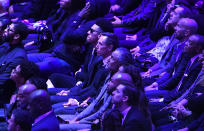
112, 65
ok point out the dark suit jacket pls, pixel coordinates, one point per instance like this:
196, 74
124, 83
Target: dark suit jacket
168, 58
136, 121
10, 57
96, 77
188, 79
179, 70
49, 123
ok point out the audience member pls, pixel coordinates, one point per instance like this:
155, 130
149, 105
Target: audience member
40, 107
21, 120
11, 55
127, 100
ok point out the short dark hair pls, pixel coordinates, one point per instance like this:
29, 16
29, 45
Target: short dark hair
39, 82
134, 72
125, 57
28, 69
112, 39
105, 25
21, 29
23, 118
133, 94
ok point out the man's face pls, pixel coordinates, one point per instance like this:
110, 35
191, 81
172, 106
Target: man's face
113, 82
93, 34
11, 124
190, 45
9, 32
22, 97
113, 63
101, 47
174, 17
117, 95
65, 3
16, 74
180, 30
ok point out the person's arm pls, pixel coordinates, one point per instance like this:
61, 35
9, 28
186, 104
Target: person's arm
175, 79
140, 18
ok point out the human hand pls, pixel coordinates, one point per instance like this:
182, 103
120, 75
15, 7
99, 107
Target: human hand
29, 44
71, 102
77, 72
163, 73
117, 21
114, 8
153, 86
63, 93
131, 37
79, 83
84, 103
146, 74
180, 112
11, 10
198, 94
85, 12
13, 99
155, 100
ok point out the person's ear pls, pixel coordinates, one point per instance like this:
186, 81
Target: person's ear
16, 36
110, 48
125, 98
187, 33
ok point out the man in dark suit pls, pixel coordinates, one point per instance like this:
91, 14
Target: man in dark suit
184, 29
126, 100
11, 55
93, 73
21, 120
101, 103
40, 107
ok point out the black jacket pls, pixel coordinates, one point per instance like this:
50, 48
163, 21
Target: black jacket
136, 121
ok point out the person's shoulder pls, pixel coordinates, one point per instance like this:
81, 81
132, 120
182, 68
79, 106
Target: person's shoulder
49, 123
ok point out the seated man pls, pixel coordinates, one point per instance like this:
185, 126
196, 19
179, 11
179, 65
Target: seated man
119, 57
106, 44
85, 73
68, 55
144, 56
40, 107
185, 28
188, 76
11, 54
127, 100
21, 120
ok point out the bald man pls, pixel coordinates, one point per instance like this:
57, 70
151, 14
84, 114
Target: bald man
40, 107
23, 94
22, 98
183, 30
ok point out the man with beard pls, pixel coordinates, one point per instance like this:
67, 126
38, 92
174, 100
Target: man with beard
11, 55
